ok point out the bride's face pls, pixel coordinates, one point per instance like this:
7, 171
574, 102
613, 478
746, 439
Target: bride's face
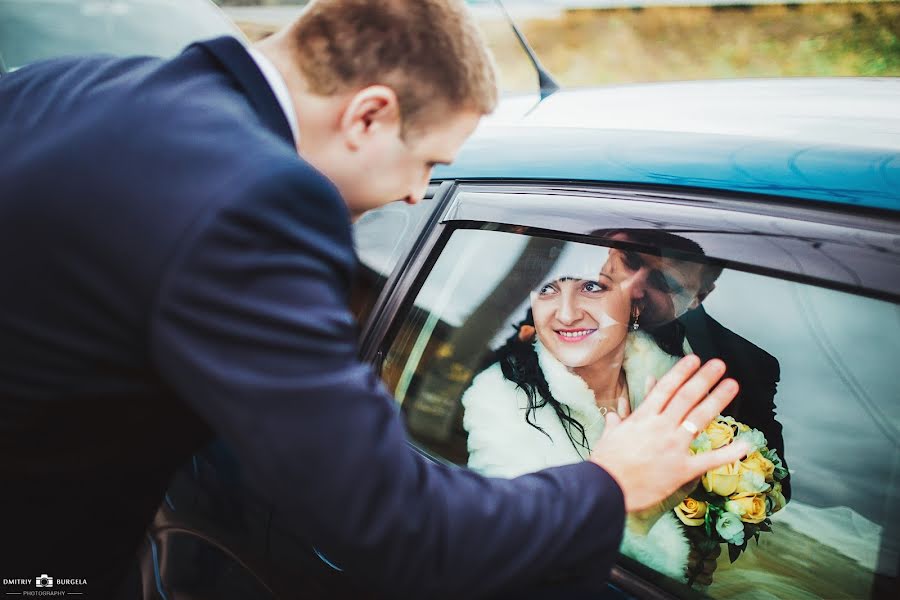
581, 321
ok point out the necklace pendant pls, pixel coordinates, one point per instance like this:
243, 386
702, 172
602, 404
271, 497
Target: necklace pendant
603, 411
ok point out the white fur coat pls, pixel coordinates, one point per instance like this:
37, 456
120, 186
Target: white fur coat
502, 444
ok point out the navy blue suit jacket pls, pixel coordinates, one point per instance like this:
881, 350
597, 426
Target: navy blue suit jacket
171, 270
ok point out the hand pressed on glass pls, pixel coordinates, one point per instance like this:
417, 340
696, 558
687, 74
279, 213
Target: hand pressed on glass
648, 453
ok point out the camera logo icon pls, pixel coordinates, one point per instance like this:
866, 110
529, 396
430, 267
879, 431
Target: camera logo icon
44, 581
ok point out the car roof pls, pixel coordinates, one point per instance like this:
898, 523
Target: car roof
831, 139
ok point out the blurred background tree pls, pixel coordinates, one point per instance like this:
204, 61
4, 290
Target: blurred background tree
596, 46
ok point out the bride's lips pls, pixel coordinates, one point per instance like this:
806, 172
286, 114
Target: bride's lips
573, 335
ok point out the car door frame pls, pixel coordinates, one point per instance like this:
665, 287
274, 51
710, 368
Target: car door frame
827, 222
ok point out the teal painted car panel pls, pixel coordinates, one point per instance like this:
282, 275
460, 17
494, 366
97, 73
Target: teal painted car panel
828, 173
832, 140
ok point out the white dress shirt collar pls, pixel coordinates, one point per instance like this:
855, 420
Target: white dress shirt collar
279, 88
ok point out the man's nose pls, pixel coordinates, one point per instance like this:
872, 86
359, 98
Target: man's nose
417, 193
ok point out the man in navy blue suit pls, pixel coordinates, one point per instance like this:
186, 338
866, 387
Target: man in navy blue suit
173, 270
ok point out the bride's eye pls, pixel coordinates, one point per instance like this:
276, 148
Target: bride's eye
592, 286
546, 290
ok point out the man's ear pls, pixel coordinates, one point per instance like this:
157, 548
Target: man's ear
371, 111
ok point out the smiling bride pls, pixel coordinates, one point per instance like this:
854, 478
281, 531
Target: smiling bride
578, 354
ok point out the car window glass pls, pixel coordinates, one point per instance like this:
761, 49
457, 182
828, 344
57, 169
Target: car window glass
824, 358
382, 237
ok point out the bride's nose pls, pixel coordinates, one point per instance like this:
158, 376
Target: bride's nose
568, 311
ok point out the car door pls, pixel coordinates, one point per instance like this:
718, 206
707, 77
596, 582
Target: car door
385, 239
804, 307
209, 537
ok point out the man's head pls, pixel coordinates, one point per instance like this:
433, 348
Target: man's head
384, 90
665, 286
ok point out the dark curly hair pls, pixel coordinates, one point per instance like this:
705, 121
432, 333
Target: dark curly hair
518, 361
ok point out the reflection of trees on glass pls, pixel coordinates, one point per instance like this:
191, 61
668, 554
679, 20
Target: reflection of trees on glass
433, 410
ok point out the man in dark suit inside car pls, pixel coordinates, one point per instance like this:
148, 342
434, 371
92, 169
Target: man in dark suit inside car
176, 256
671, 290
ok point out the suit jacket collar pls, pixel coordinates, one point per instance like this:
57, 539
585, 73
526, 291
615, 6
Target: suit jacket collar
235, 59
703, 340
698, 333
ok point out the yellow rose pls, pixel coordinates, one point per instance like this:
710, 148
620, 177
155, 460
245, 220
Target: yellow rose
752, 507
691, 512
760, 464
778, 499
719, 433
722, 480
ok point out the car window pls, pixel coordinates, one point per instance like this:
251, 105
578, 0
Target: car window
32, 30
815, 367
382, 237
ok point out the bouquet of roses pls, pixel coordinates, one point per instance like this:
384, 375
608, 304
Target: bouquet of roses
734, 502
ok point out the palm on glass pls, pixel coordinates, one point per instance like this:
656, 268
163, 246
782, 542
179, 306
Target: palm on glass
648, 453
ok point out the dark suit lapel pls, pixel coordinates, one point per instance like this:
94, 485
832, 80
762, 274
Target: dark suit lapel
233, 56
699, 334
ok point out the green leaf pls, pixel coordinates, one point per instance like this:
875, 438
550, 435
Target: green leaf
709, 524
734, 552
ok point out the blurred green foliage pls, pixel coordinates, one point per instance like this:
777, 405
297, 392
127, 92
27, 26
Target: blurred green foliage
594, 47
589, 47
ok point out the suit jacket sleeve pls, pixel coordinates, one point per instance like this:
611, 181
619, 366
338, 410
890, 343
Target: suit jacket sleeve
251, 329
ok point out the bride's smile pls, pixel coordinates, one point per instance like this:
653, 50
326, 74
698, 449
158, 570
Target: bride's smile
574, 335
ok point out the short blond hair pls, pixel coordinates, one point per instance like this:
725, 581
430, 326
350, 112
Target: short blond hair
430, 52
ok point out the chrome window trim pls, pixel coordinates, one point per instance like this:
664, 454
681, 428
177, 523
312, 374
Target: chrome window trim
397, 285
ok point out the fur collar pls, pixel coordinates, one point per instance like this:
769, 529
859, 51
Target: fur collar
502, 444
643, 359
